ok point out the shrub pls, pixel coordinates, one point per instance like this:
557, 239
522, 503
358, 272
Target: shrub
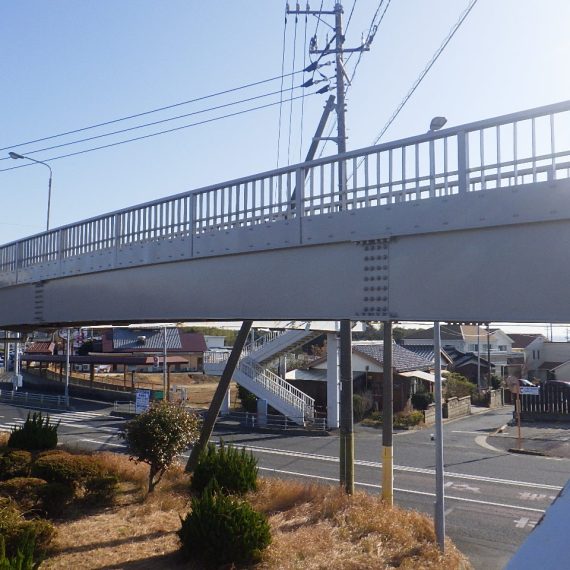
102, 490
55, 497
458, 386
14, 529
36, 433
70, 470
361, 405
158, 435
24, 558
247, 399
496, 382
222, 529
15, 463
421, 400
26, 492
404, 420
235, 471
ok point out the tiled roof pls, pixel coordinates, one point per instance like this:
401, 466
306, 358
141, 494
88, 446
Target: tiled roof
403, 360
152, 340
549, 365
523, 340
447, 332
426, 351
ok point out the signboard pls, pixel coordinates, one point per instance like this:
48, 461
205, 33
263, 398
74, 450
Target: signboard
530, 390
142, 401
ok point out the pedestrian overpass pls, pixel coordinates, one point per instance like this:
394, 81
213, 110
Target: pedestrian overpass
470, 223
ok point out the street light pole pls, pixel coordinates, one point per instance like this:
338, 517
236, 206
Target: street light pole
17, 156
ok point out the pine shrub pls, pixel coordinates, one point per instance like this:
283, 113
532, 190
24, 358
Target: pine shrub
67, 469
24, 557
222, 529
55, 498
101, 490
235, 471
26, 492
36, 433
15, 463
421, 400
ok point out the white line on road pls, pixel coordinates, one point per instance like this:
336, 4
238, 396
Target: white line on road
413, 492
103, 442
404, 468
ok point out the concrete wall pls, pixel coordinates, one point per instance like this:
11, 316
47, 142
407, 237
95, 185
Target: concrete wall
457, 407
429, 415
496, 398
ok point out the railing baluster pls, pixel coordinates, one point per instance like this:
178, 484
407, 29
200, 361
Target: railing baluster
462, 162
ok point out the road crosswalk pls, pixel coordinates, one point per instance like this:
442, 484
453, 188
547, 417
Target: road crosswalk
74, 419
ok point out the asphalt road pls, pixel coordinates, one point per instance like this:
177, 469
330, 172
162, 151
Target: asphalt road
493, 498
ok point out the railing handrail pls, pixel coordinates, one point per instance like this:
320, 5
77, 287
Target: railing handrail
404, 142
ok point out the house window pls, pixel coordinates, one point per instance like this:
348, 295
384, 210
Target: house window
473, 347
503, 347
534, 355
538, 354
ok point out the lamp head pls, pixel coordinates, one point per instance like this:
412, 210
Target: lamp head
437, 123
15, 155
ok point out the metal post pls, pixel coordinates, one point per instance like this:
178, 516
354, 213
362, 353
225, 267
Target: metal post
478, 360
488, 358
439, 483
219, 395
17, 362
340, 105
388, 420
67, 351
164, 365
346, 412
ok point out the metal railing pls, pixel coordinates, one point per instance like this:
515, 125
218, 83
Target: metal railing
277, 385
521, 148
33, 399
273, 421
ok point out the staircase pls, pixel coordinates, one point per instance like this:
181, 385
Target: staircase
253, 376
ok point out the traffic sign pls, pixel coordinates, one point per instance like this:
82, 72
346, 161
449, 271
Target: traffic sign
530, 390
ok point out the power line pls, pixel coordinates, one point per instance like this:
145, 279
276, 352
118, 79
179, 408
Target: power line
291, 98
430, 64
303, 99
281, 96
157, 133
144, 125
158, 109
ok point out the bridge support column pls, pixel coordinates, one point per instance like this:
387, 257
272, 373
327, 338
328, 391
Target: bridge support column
261, 412
226, 402
332, 381
221, 390
387, 413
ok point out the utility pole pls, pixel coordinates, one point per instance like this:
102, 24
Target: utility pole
346, 412
488, 358
387, 414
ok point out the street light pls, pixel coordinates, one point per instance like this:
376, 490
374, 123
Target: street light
17, 156
437, 123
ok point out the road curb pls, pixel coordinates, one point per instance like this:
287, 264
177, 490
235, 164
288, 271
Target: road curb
527, 452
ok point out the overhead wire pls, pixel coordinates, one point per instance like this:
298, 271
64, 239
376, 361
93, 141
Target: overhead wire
281, 97
303, 99
145, 125
430, 64
211, 120
156, 110
291, 98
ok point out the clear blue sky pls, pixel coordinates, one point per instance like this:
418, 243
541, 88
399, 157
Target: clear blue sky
72, 63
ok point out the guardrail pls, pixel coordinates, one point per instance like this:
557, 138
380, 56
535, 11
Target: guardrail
520, 148
33, 399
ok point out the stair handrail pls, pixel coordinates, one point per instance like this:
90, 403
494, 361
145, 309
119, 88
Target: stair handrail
279, 386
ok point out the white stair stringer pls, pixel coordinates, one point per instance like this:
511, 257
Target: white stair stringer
278, 344
278, 393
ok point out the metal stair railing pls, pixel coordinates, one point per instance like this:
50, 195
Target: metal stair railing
278, 386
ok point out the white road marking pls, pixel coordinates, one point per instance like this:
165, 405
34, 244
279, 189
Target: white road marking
413, 492
462, 487
103, 442
329, 458
524, 522
469, 432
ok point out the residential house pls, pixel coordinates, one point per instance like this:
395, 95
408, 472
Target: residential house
545, 360
470, 339
411, 373
185, 351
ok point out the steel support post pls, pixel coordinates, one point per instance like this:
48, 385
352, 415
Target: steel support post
219, 395
346, 413
387, 414
439, 482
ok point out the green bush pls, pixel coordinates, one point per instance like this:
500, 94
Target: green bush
55, 497
70, 470
36, 433
26, 492
101, 490
16, 530
421, 400
24, 558
404, 420
235, 471
15, 463
457, 386
222, 529
247, 399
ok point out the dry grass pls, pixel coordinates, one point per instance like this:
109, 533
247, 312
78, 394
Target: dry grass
4, 436
314, 527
